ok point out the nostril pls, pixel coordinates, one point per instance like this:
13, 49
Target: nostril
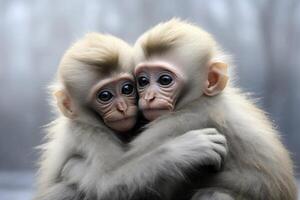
121, 106
152, 98
121, 110
149, 97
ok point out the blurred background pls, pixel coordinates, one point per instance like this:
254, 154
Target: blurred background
263, 36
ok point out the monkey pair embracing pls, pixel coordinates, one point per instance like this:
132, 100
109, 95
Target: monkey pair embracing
197, 120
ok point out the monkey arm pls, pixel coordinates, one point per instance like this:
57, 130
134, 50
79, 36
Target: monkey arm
66, 188
74, 170
54, 188
55, 154
60, 191
214, 194
165, 129
168, 161
169, 158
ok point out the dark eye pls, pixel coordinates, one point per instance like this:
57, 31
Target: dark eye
165, 80
127, 89
143, 81
105, 96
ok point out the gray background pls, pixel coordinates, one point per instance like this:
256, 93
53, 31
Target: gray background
262, 35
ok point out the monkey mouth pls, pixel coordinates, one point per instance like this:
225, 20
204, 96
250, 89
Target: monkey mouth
165, 108
123, 119
123, 124
152, 114
168, 107
156, 109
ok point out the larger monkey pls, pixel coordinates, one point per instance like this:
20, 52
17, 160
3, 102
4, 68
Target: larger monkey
181, 69
94, 90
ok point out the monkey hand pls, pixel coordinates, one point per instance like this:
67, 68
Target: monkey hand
205, 147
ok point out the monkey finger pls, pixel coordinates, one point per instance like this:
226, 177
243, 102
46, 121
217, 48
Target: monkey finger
221, 150
209, 131
219, 139
215, 159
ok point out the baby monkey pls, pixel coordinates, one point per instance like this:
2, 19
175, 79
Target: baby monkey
96, 96
94, 90
182, 80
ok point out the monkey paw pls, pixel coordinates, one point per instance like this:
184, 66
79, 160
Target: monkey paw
204, 146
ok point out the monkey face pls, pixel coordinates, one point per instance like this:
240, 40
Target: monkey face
159, 85
114, 99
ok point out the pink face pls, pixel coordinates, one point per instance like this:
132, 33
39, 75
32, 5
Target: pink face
114, 99
159, 85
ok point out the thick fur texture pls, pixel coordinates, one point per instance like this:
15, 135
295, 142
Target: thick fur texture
84, 159
257, 166
103, 168
167, 152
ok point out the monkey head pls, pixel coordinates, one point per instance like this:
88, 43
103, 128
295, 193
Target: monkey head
159, 85
175, 65
97, 83
114, 99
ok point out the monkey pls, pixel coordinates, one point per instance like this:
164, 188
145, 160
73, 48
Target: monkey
183, 84
96, 98
113, 98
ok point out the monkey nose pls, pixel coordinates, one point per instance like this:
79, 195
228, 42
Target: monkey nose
122, 106
150, 96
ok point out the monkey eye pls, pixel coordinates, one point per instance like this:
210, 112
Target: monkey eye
105, 96
165, 80
143, 81
127, 89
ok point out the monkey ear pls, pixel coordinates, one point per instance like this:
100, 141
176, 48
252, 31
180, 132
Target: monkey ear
64, 104
217, 79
